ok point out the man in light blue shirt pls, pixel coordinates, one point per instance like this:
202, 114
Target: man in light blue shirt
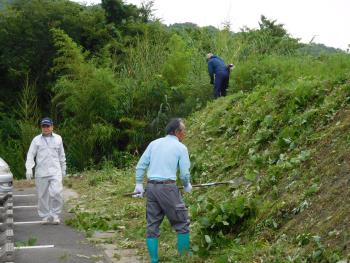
161, 159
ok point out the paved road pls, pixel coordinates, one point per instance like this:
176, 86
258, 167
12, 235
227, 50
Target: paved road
69, 245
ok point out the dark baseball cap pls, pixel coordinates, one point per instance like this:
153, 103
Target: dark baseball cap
46, 121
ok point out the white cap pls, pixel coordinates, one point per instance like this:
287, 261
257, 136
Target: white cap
209, 55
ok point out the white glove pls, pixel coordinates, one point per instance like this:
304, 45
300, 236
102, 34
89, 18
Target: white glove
231, 67
139, 190
29, 175
188, 188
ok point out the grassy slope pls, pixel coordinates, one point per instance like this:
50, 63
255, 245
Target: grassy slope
303, 201
286, 139
290, 142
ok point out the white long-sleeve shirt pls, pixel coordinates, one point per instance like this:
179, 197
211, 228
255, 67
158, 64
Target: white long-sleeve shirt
46, 153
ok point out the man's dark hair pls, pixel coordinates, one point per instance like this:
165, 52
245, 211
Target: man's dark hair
173, 125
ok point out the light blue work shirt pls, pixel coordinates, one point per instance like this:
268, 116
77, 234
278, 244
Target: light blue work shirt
162, 158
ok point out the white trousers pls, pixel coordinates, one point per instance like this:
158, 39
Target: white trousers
50, 199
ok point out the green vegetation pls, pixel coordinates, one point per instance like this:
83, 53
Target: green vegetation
285, 143
111, 76
32, 241
116, 74
287, 138
113, 80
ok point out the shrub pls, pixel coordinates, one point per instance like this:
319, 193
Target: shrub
219, 218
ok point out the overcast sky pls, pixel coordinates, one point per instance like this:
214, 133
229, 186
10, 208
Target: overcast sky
328, 21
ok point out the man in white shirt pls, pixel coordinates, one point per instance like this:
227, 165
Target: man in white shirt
46, 153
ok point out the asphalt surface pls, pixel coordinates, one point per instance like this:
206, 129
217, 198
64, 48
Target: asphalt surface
69, 245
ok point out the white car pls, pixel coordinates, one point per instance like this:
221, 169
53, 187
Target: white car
6, 177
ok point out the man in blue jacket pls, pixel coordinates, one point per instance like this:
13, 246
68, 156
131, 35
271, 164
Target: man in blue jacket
219, 74
162, 158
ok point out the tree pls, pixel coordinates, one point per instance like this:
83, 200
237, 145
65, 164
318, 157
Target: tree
117, 12
26, 47
178, 64
274, 29
146, 11
86, 98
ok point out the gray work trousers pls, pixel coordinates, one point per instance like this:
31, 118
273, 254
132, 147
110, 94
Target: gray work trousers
50, 200
165, 199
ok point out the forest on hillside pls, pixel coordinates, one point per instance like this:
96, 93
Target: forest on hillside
111, 75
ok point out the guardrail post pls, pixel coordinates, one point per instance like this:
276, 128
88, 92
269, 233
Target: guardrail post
6, 229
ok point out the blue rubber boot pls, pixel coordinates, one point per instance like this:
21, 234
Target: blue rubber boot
183, 244
152, 245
